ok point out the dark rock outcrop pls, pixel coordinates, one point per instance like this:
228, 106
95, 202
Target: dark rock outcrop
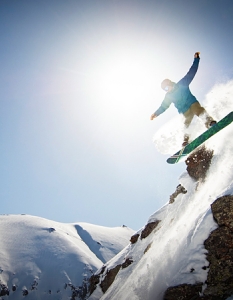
127, 262
149, 228
25, 292
223, 211
109, 278
198, 163
4, 290
95, 279
134, 238
183, 292
106, 277
220, 256
220, 250
179, 190
145, 232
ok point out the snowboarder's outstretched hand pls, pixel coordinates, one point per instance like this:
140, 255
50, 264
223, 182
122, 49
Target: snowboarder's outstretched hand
197, 55
153, 116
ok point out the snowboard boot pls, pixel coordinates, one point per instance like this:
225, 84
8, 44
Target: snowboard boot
186, 140
212, 123
209, 122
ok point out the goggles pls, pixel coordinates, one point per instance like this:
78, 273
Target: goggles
166, 88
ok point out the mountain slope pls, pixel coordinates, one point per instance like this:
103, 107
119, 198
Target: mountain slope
173, 252
103, 241
44, 259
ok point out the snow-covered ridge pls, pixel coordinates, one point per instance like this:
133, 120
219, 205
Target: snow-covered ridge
44, 259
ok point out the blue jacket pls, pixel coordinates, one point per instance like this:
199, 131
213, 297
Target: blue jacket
180, 94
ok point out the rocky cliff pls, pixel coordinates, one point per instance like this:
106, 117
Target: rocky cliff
202, 263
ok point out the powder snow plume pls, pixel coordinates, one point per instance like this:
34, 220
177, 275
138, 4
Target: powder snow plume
218, 103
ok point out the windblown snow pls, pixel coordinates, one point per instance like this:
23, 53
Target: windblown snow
175, 254
218, 103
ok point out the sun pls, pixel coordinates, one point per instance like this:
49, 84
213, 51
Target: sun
121, 82
121, 75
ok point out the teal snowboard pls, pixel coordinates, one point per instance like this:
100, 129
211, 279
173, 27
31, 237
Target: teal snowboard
201, 139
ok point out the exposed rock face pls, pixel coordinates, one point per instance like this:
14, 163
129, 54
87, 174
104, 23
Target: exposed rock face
220, 256
106, 276
219, 283
198, 163
179, 190
183, 291
109, 278
223, 211
127, 262
4, 291
95, 279
134, 238
149, 228
220, 250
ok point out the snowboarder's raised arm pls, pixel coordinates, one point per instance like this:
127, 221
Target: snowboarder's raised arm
187, 79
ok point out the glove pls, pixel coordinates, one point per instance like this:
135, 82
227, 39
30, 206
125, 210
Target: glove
153, 116
196, 55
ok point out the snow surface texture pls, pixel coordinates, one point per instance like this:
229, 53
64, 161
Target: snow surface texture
175, 252
45, 257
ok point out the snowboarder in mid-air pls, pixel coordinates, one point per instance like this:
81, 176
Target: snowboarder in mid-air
185, 102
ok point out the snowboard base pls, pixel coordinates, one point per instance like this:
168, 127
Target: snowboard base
200, 139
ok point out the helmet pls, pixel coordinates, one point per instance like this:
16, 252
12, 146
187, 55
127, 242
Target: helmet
166, 82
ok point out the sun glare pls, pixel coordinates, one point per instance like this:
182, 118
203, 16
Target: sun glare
121, 82
121, 76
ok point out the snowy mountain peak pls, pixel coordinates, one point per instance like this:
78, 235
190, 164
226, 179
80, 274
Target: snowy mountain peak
44, 259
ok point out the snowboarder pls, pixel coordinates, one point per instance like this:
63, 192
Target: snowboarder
185, 102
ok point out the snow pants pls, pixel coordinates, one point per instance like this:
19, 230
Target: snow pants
196, 110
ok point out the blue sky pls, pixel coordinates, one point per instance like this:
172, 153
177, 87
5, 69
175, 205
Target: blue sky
79, 81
